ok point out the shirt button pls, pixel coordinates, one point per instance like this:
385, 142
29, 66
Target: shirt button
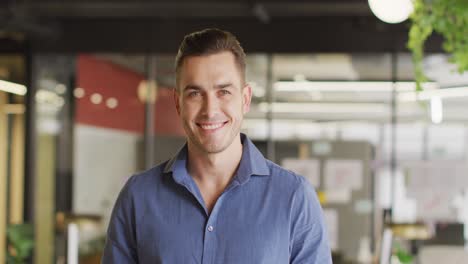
210, 228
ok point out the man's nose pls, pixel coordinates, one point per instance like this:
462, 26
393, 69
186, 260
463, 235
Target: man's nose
210, 106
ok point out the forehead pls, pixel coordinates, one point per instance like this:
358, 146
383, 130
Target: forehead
217, 65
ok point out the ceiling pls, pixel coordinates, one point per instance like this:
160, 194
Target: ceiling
158, 25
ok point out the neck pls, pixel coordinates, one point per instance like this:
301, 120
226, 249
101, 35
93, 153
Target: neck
214, 169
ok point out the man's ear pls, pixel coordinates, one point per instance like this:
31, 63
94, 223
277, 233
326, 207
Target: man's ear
246, 98
176, 96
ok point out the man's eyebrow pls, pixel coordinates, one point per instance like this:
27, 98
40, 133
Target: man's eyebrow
223, 85
192, 87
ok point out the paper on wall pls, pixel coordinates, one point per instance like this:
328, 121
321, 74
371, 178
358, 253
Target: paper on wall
309, 168
446, 175
338, 196
434, 185
343, 175
434, 205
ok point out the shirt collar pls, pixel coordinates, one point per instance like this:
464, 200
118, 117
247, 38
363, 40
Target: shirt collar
252, 163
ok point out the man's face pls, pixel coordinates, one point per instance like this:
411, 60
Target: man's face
211, 99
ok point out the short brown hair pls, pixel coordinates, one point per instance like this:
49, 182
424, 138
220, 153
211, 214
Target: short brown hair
210, 41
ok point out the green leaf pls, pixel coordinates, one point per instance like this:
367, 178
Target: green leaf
21, 239
449, 18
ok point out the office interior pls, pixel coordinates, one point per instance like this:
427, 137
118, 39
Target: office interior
86, 102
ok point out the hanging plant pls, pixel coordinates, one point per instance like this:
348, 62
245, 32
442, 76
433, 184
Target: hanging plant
449, 18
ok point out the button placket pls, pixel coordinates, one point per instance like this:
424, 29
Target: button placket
209, 247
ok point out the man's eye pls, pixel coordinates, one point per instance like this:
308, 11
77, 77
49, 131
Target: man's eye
193, 93
224, 92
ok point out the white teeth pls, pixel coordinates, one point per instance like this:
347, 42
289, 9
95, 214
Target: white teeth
209, 127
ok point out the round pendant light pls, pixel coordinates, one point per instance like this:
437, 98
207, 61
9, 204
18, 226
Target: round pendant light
391, 11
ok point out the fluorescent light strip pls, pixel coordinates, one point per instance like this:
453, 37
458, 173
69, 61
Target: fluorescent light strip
427, 95
351, 86
10, 87
319, 108
436, 110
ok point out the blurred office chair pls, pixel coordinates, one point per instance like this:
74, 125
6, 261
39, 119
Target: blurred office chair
449, 234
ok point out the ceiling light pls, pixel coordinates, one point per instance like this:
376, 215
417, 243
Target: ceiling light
60, 88
49, 98
147, 91
96, 98
79, 92
112, 103
60, 102
11, 87
436, 110
454, 92
348, 86
323, 108
391, 11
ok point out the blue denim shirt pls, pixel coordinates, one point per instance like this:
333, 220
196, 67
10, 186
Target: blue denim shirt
266, 215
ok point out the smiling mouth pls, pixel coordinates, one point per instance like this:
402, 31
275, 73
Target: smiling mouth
212, 126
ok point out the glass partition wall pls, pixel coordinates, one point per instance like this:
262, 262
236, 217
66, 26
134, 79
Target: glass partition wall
350, 123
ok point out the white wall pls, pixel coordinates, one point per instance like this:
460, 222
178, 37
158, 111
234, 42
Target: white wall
103, 161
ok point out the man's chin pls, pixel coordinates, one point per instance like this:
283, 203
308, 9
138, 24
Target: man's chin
211, 144
213, 148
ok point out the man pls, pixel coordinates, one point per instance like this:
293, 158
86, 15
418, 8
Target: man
218, 200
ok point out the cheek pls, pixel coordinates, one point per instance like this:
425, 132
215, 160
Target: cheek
186, 115
185, 109
183, 113
236, 111
189, 113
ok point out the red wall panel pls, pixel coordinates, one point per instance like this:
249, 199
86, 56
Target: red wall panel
113, 81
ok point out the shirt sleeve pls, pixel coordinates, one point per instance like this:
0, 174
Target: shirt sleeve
309, 239
121, 239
